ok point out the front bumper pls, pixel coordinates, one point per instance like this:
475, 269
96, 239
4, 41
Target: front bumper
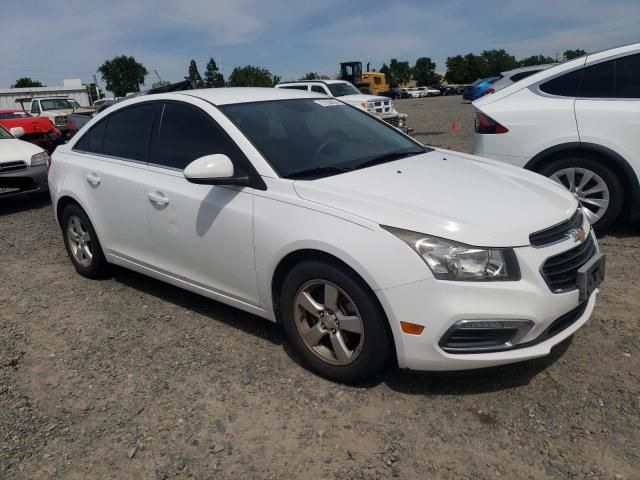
438, 305
29, 180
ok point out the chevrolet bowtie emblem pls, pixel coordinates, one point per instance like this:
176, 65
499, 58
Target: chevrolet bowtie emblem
578, 235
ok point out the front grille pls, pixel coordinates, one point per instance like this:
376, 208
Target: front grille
557, 232
394, 121
560, 271
7, 167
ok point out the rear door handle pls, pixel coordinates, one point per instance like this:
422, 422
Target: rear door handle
93, 179
158, 198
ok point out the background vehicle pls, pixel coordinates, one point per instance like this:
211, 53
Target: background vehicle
23, 165
478, 88
55, 109
512, 76
396, 93
290, 205
432, 92
38, 131
380, 106
371, 83
417, 92
576, 123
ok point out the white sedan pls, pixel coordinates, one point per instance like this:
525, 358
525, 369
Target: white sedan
23, 165
364, 244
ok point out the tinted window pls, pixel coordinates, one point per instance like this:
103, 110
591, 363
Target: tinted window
187, 133
598, 80
128, 131
565, 85
519, 76
628, 77
295, 87
93, 140
318, 89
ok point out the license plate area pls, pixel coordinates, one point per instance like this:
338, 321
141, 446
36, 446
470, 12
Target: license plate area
590, 276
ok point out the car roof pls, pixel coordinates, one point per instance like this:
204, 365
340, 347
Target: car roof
319, 80
227, 96
528, 69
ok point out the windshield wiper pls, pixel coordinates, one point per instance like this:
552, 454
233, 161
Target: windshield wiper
318, 172
389, 157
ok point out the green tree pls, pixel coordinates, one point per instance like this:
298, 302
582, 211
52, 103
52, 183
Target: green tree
122, 75
497, 61
535, 60
26, 82
251, 76
311, 76
212, 76
387, 73
194, 74
571, 54
400, 72
456, 70
424, 72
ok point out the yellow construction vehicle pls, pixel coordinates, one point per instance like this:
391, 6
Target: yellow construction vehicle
371, 83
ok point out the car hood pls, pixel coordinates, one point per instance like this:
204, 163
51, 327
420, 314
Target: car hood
362, 98
13, 150
455, 196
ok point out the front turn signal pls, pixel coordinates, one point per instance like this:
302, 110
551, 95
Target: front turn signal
411, 328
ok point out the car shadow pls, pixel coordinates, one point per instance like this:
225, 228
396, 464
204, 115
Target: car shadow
624, 229
402, 381
22, 203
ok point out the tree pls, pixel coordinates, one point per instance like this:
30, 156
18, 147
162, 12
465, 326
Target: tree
387, 73
310, 76
571, 54
160, 83
251, 76
26, 82
424, 72
497, 61
400, 72
122, 75
535, 60
456, 70
194, 74
212, 77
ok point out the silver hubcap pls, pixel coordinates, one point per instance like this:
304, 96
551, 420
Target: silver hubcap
588, 188
329, 322
79, 241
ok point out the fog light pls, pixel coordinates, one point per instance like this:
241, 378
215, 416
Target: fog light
478, 336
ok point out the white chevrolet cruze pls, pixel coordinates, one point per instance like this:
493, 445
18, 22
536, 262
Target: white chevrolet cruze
366, 245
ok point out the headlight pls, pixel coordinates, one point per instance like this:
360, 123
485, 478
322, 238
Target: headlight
59, 120
449, 260
39, 159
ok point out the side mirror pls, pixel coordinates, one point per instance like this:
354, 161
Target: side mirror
17, 131
214, 169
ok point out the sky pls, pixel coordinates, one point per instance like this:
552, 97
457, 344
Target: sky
56, 39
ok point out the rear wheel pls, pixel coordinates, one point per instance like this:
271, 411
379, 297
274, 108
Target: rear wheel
82, 243
333, 323
596, 188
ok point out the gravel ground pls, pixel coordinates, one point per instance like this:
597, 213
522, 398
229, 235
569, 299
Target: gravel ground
131, 378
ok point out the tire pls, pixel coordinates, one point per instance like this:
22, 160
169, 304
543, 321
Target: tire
79, 238
590, 166
369, 349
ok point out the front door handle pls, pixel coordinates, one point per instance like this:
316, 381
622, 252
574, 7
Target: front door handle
93, 179
158, 198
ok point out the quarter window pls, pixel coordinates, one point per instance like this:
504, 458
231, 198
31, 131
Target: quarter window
598, 81
128, 131
93, 140
318, 89
564, 86
628, 77
187, 133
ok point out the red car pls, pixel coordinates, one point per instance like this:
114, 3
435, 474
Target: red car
37, 130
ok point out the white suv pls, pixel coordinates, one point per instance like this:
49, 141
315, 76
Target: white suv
381, 107
577, 123
309, 212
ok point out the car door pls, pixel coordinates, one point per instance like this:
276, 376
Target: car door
608, 106
202, 234
114, 155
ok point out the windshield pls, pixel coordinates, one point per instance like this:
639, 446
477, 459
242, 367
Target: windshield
56, 104
4, 135
342, 89
322, 137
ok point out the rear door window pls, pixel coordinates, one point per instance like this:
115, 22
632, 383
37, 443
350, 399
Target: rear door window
93, 140
565, 85
598, 81
128, 132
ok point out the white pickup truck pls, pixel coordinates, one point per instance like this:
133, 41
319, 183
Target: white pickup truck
381, 107
56, 109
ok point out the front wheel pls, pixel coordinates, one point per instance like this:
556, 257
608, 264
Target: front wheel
598, 190
333, 323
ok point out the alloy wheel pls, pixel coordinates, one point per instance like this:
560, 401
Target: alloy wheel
588, 188
328, 322
79, 240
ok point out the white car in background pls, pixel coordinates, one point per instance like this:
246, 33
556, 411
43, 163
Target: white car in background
23, 165
577, 123
364, 244
512, 76
432, 92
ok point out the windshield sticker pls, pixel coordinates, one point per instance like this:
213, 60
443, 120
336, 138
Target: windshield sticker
328, 103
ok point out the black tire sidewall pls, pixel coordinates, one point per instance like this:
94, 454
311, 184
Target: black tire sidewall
376, 347
616, 189
98, 266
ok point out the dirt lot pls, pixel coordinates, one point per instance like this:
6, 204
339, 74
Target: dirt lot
131, 378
